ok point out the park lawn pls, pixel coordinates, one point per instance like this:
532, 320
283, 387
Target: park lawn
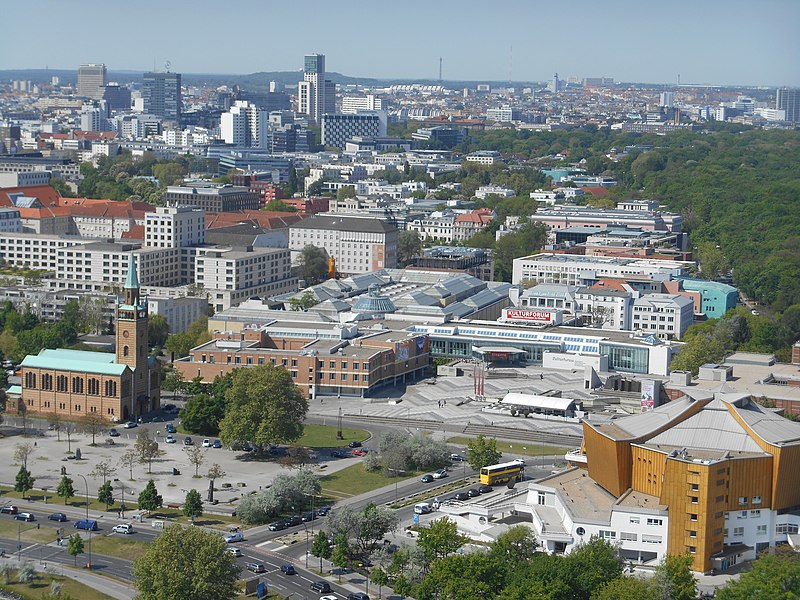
56, 502
526, 448
119, 545
324, 436
10, 528
41, 585
356, 480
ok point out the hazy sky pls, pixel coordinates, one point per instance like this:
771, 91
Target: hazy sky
705, 41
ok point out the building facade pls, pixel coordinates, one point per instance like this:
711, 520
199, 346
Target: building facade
212, 197
338, 128
161, 95
92, 81
316, 96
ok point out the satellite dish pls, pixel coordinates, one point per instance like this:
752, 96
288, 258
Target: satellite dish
167, 65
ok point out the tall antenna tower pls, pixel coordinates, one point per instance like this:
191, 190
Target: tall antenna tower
510, 66
440, 69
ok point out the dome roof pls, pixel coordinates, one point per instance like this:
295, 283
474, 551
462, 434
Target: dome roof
373, 302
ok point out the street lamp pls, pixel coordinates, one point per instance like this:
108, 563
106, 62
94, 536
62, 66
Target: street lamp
397, 473
313, 515
86, 483
19, 539
306, 528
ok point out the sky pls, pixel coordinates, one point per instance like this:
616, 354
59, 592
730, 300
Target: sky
730, 42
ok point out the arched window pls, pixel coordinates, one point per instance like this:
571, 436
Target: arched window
47, 381
111, 389
125, 351
77, 385
30, 380
61, 383
94, 386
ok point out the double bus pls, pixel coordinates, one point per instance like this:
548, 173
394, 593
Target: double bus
503, 473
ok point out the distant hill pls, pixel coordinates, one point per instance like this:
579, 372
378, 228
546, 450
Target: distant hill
253, 81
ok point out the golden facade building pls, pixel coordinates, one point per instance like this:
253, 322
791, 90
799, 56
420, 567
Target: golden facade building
74, 383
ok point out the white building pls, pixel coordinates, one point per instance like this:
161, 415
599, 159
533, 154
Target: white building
357, 244
586, 270
9, 220
175, 227
316, 96
484, 157
179, 312
504, 114
494, 190
245, 124
355, 104
665, 315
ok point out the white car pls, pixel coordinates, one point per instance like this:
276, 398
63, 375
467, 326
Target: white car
124, 528
206, 443
235, 551
234, 537
440, 474
131, 425
169, 439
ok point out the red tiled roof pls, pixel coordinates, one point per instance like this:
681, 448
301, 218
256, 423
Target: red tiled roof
596, 191
136, 232
46, 194
265, 219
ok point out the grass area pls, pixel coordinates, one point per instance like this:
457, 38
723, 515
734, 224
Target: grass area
56, 503
324, 436
215, 521
525, 448
41, 585
122, 546
10, 528
356, 480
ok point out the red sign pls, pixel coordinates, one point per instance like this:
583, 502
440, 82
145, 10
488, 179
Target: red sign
529, 315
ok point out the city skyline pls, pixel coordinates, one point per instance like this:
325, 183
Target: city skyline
527, 41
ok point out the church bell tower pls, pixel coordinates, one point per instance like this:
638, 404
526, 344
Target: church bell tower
132, 339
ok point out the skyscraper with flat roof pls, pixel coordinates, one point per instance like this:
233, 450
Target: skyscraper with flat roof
789, 100
92, 81
316, 96
161, 95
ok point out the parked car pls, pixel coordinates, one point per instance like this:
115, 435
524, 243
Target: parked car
473, 492
113, 432
8, 509
131, 425
484, 489
458, 458
427, 478
206, 443
234, 551
277, 526
357, 596
355, 444
25, 516
440, 474
247, 447
309, 516
216, 444
519, 461
461, 496
288, 570
236, 536
324, 510
256, 567
360, 452
171, 428
125, 528
60, 517
187, 441
294, 520
168, 407
329, 597
169, 439
321, 587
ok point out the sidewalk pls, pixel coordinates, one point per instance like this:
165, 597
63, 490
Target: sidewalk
106, 585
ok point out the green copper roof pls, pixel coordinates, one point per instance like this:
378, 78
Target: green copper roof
78, 361
14, 390
132, 280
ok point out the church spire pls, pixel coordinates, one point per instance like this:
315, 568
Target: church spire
132, 283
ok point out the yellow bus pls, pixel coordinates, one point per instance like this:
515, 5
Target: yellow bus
503, 473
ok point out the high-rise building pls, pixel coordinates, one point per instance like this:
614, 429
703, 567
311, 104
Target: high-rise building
161, 95
789, 100
245, 124
338, 128
91, 81
316, 96
667, 99
117, 97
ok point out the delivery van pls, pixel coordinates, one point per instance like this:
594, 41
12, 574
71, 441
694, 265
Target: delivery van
423, 508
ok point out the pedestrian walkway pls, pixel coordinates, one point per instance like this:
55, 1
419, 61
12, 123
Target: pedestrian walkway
106, 585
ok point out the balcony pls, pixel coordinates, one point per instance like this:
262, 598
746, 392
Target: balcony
576, 456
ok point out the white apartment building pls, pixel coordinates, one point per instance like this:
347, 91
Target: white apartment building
101, 265
437, 226
338, 128
245, 124
484, 157
33, 250
358, 244
586, 270
494, 190
354, 104
175, 227
663, 315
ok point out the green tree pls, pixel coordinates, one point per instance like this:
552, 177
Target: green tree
482, 452
673, 578
75, 547
193, 505
279, 206
157, 330
186, 563
61, 187
472, 576
147, 450
203, 413
440, 539
627, 588
518, 543
312, 265
169, 173
105, 494
592, 565
149, 498
304, 302
770, 576
321, 548
264, 406
93, 423
340, 555
408, 246
65, 488
24, 481
379, 578
346, 191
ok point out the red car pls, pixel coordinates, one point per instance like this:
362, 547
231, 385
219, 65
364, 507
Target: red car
360, 452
